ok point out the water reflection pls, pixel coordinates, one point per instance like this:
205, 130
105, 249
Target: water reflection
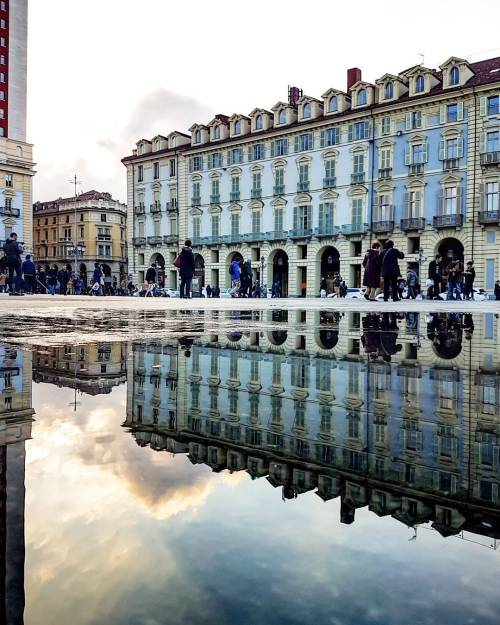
399, 413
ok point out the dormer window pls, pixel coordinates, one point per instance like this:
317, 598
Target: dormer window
259, 122
389, 91
197, 136
217, 132
173, 142
237, 127
419, 84
454, 76
282, 117
141, 149
306, 111
361, 97
334, 104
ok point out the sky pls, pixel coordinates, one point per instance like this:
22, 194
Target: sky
105, 73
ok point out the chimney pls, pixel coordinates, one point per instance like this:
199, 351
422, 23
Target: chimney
294, 94
353, 75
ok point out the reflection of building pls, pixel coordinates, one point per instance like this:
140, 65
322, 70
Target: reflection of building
100, 223
92, 368
16, 416
16, 156
306, 186
371, 413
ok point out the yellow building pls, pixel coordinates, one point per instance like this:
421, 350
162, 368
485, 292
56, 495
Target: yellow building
99, 237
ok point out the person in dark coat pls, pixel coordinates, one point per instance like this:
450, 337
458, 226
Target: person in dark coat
216, 291
186, 269
13, 250
371, 279
469, 277
42, 279
454, 271
52, 280
151, 274
29, 271
208, 290
497, 291
390, 270
63, 277
436, 275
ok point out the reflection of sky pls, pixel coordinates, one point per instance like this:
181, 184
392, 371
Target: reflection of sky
120, 534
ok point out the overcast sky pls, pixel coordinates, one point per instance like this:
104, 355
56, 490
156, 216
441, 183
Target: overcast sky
105, 73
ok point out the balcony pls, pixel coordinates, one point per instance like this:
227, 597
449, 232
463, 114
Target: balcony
489, 217
303, 186
279, 189
412, 223
234, 196
416, 170
139, 210
215, 198
448, 221
490, 158
196, 200
329, 182
172, 206
9, 211
103, 237
256, 194
156, 240
155, 208
171, 239
327, 231
139, 241
385, 173
300, 233
451, 163
355, 228
253, 237
213, 240
276, 235
383, 226
358, 178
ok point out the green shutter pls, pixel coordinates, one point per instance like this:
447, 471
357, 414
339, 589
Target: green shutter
295, 217
250, 154
460, 147
336, 135
309, 216
322, 139
321, 216
408, 155
482, 143
273, 149
285, 147
311, 140
483, 106
191, 165
442, 114
296, 144
350, 133
425, 152
460, 111
408, 121
442, 150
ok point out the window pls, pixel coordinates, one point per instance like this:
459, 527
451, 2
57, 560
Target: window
279, 147
196, 227
384, 207
333, 105
450, 201
279, 178
2, 113
197, 136
3, 6
235, 185
358, 131
451, 148
305, 142
235, 156
8, 180
215, 225
2, 42
259, 122
492, 196
330, 136
257, 152
306, 110
2, 23
385, 158
330, 168
413, 120
172, 167
419, 84
361, 97
303, 221
493, 105
215, 190
235, 224
326, 217
237, 127
304, 173
452, 112
215, 160
140, 173
156, 171
216, 132
493, 141
359, 163
282, 116
417, 154
389, 91
103, 218
255, 221
278, 219
357, 211
256, 181
454, 76
386, 125
2, 95
196, 190
196, 163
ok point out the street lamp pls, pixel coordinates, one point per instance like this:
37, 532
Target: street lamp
75, 182
420, 259
262, 267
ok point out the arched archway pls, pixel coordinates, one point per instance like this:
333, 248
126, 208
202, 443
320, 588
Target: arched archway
328, 339
329, 265
199, 274
451, 247
280, 271
159, 261
106, 269
278, 337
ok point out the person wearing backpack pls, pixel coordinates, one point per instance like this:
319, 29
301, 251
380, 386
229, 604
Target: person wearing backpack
186, 269
13, 250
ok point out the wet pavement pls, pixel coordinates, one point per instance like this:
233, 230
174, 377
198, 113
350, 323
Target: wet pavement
287, 466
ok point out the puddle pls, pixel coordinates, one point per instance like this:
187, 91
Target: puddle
260, 467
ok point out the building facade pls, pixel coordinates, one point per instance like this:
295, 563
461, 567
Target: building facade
16, 155
303, 189
100, 235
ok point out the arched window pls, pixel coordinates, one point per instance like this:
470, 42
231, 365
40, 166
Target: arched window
282, 117
259, 123
361, 97
197, 136
454, 76
334, 104
173, 142
419, 84
389, 91
306, 110
237, 127
216, 132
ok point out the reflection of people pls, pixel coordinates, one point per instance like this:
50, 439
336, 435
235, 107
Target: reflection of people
371, 336
389, 336
497, 290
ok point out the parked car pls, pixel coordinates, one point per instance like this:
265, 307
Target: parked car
352, 293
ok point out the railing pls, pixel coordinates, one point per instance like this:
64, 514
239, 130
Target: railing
489, 217
276, 235
416, 170
155, 208
412, 223
66, 240
490, 158
355, 228
278, 189
451, 163
138, 241
196, 200
303, 186
234, 196
448, 221
103, 237
172, 206
384, 173
171, 238
255, 194
139, 210
327, 231
383, 226
215, 198
358, 178
254, 237
155, 240
300, 233
9, 212
329, 182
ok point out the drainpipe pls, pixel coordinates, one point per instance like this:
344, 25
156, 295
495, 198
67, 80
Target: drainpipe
474, 174
131, 253
372, 173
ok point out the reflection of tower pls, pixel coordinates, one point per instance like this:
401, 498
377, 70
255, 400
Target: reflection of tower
16, 416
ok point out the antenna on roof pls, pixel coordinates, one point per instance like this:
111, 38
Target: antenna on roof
423, 57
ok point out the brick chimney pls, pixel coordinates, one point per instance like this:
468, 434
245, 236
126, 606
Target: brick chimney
353, 75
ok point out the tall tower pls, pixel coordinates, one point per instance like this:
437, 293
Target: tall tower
16, 156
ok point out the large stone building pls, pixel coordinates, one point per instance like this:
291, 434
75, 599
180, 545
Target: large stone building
16, 156
100, 235
304, 188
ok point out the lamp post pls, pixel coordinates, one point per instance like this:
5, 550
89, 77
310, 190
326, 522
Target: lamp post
420, 259
262, 267
75, 182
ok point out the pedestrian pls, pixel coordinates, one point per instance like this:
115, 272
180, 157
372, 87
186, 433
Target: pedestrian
497, 291
3, 281
436, 276
371, 278
454, 272
13, 250
337, 283
246, 278
401, 286
235, 273
52, 279
469, 277
96, 280
216, 291
108, 283
276, 290
208, 290
390, 270
70, 289
29, 271
42, 279
63, 277
411, 283
256, 289
151, 279
114, 288
186, 269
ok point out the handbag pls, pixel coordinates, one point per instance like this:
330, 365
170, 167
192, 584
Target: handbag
177, 261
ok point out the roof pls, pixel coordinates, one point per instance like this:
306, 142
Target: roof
86, 196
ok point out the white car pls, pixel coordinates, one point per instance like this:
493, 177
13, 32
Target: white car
480, 295
352, 293
171, 292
